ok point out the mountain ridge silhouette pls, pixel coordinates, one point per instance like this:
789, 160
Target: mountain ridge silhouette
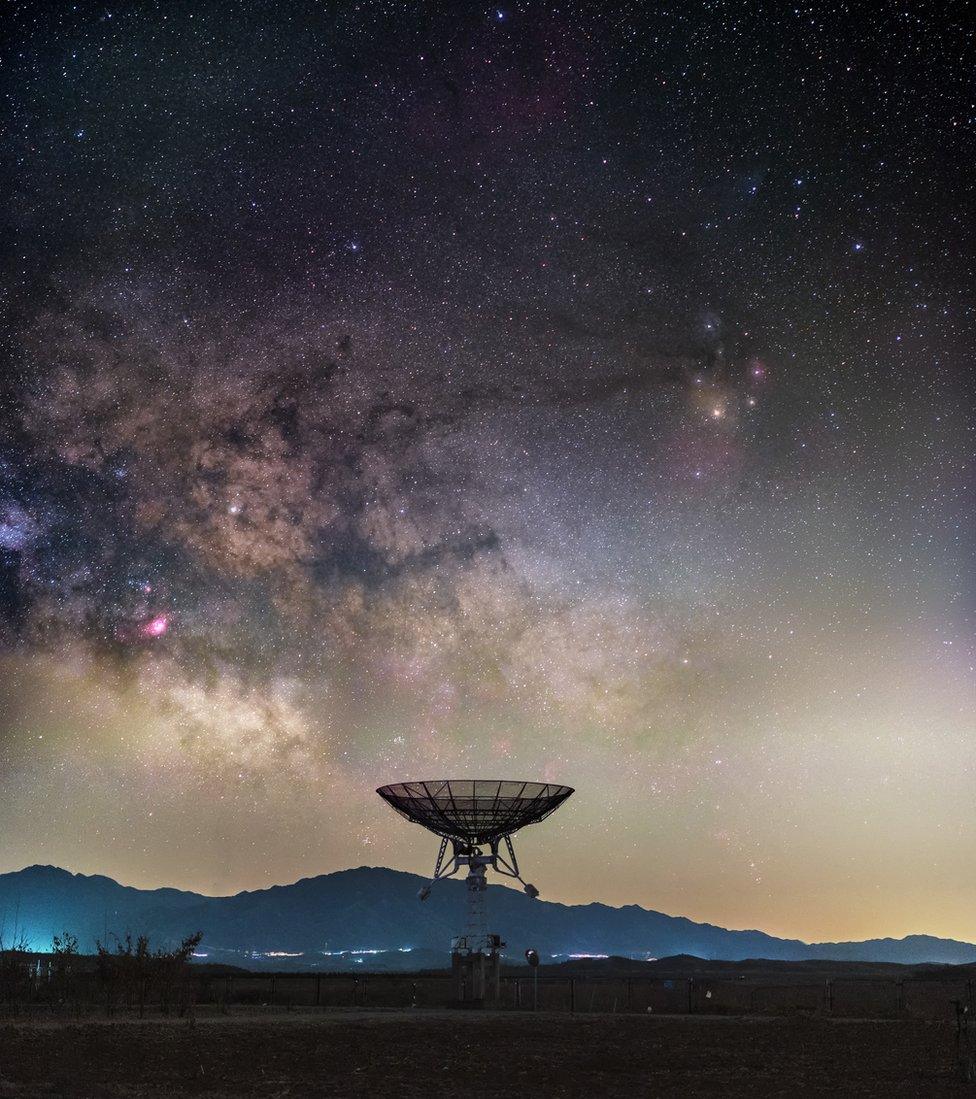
376, 909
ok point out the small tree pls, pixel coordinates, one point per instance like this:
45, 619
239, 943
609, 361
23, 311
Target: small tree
64, 957
172, 970
125, 971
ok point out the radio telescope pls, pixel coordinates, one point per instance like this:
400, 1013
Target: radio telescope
476, 817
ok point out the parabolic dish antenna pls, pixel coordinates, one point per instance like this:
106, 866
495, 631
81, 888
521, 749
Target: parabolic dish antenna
474, 811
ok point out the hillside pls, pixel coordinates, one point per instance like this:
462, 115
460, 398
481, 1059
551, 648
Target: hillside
376, 909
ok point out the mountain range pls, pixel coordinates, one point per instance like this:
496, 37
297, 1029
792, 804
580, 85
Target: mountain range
371, 917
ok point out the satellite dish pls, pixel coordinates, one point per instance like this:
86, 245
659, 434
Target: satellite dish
474, 811
476, 817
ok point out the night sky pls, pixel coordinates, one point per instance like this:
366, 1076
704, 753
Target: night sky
565, 392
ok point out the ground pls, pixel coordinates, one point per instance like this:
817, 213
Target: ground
434, 1054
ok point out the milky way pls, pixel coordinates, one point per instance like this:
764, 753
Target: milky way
573, 393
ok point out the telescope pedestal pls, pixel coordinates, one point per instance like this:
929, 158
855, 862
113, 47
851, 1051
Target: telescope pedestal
476, 955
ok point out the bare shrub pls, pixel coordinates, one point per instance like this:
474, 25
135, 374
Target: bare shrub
131, 972
17, 970
64, 962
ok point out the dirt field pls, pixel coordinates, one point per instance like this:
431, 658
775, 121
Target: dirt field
479, 1054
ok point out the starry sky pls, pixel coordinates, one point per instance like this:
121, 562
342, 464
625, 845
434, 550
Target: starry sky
577, 392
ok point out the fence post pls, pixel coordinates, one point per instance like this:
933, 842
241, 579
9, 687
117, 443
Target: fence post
318, 989
691, 995
900, 998
272, 988
630, 993
829, 997
572, 995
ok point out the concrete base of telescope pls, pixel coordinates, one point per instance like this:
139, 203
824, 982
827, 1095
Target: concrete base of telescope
477, 974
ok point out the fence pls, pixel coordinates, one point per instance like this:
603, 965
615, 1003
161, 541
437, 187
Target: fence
853, 997
35, 990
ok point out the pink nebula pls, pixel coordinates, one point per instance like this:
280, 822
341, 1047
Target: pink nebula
155, 627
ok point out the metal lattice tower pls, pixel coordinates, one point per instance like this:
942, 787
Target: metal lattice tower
476, 929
